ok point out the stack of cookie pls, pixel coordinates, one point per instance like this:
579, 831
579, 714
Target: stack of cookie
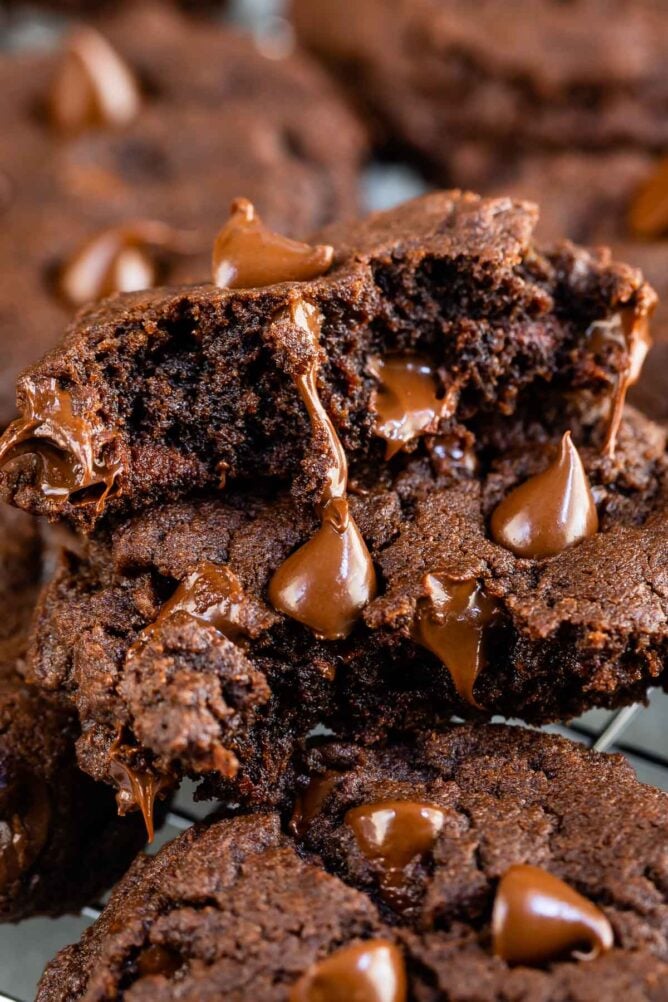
297, 532
347, 491
116, 149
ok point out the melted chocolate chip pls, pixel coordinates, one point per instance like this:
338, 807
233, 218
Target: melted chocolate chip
326, 583
157, 960
310, 801
247, 255
119, 259
137, 787
392, 833
372, 971
648, 215
406, 402
92, 86
451, 622
70, 449
25, 820
549, 512
628, 330
211, 594
538, 918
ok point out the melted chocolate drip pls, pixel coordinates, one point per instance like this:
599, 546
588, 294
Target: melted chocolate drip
92, 86
247, 255
372, 971
405, 403
648, 215
392, 833
451, 622
538, 918
68, 447
136, 787
25, 822
326, 583
549, 512
310, 801
629, 330
119, 259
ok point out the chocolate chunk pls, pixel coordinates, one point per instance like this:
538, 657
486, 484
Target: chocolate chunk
92, 86
246, 254
538, 918
372, 971
549, 512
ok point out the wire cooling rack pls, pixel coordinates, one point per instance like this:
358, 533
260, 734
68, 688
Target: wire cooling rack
639, 732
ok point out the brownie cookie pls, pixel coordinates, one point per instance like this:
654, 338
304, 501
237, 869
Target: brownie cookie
482, 862
208, 636
127, 145
60, 840
156, 394
583, 75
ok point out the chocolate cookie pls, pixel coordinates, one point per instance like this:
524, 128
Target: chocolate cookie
584, 75
212, 634
127, 145
484, 862
157, 394
60, 840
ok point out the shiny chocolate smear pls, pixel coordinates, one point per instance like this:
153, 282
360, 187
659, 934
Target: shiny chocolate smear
549, 512
310, 801
92, 87
326, 583
629, 330
405, 403
157, 960
648, 215
372, 971
392, 833
25, 825
538, 918
69, 447
211, 594
451, 622
118, 259
247, 255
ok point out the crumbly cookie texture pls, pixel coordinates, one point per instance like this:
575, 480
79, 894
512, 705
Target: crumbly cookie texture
156, 394
163, 628
61, 843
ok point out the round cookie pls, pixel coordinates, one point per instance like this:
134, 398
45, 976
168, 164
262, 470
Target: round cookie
243, 909
61, 843
206, 117
168, 628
